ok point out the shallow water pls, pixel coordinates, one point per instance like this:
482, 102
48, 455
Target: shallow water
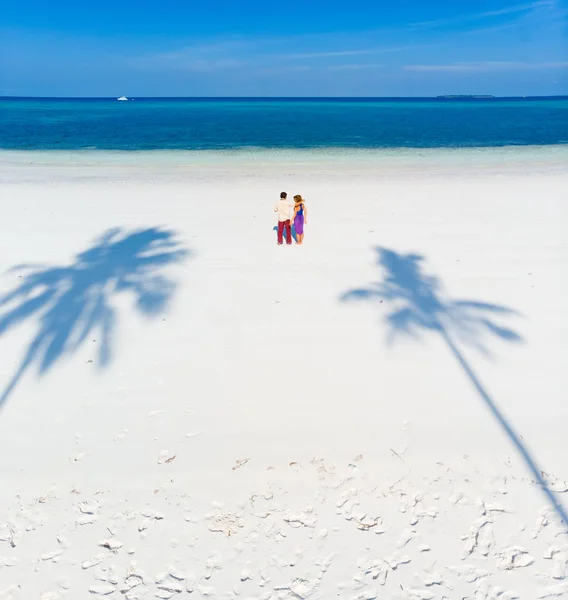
332, 163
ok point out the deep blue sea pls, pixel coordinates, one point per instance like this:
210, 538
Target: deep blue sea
214, 123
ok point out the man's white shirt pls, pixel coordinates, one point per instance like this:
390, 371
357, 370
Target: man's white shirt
283, 208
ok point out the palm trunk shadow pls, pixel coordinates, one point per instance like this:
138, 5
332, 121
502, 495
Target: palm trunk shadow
511, 433
420, 306
23, 367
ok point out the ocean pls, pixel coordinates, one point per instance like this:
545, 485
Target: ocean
281, 123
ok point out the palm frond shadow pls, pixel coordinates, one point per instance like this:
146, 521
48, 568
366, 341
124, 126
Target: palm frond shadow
74, 301
419, 306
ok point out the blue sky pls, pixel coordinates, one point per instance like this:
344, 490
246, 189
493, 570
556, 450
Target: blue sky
283, 47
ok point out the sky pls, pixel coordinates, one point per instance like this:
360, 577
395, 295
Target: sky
283, 48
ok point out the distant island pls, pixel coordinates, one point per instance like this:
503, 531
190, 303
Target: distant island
461, 97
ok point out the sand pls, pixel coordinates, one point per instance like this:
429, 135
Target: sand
189, 409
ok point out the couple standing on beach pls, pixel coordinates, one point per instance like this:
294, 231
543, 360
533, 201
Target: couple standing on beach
285, 221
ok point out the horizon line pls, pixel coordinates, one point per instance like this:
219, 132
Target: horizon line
439, 96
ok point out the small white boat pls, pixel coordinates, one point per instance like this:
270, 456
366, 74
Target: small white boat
122, 98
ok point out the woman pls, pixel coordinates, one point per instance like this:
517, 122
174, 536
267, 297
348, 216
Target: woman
300, 218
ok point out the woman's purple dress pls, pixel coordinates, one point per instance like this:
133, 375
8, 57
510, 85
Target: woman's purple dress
299, 221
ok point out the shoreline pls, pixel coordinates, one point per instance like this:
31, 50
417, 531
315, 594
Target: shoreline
23, 166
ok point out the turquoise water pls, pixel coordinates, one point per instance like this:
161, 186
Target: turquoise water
229, 124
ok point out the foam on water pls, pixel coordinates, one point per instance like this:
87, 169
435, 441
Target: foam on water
34, 165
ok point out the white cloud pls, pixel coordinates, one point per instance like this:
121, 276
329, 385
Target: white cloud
510, 10
199, 57
487, 66
208, 65
222, 55
271, 53
353, 67
359, 52
282, 69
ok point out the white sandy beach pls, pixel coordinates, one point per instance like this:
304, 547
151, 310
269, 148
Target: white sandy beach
190, 409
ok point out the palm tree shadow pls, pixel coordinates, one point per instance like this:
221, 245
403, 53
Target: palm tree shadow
72, 302
419, 306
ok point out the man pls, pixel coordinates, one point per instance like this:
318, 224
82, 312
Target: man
283, 209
